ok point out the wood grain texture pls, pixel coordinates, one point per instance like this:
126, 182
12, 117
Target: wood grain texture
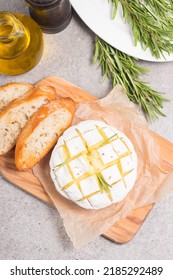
124, 230
24, 180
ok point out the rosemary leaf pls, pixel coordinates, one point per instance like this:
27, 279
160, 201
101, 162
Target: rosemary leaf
104, 186
108, 139
57, 167
115, 8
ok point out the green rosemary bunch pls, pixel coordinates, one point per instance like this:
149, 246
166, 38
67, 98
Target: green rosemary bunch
122, 69
151, 22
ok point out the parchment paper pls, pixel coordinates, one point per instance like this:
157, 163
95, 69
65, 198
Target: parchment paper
155, 169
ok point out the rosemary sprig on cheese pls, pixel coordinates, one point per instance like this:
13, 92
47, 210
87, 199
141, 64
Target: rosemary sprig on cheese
57, 167
122, 69
106, 141
104, 186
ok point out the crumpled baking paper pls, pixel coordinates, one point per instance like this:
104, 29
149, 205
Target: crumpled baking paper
155, 168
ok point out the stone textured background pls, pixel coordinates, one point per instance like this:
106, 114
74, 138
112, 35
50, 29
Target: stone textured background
29, 229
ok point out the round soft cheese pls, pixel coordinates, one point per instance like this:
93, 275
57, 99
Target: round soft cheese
93, 164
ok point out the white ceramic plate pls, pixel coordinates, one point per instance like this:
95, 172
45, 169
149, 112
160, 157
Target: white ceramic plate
97, 14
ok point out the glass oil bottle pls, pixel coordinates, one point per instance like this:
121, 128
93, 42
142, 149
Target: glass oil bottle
21, 43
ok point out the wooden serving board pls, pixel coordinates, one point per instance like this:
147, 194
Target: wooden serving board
121, 232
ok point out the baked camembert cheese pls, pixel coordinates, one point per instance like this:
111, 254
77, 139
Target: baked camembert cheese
93, 164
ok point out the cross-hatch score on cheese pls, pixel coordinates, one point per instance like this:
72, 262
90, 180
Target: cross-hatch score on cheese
94, 165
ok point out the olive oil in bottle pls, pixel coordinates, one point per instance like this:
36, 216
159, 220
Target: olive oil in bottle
21, 43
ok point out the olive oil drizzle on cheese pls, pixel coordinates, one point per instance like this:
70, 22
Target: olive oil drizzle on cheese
89, 196
119, 163
91, 154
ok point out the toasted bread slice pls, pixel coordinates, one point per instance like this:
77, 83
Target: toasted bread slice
11, 91
42, 132
15, 116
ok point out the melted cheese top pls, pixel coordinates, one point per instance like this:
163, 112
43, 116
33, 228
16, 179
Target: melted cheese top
93, 164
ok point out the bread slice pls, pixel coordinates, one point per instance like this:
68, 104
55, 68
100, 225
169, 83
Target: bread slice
42, 132
15, 116
12, 91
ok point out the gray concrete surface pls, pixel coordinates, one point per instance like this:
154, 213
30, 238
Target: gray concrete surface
29, 229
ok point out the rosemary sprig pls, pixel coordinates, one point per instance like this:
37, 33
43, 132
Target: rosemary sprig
122, 69
109, 139
161, 7
115, 7
104, 186
151, 22
57, 167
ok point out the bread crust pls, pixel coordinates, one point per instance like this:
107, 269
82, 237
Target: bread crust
4, 90
31, 96
35, 121
15, 84
9, 85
